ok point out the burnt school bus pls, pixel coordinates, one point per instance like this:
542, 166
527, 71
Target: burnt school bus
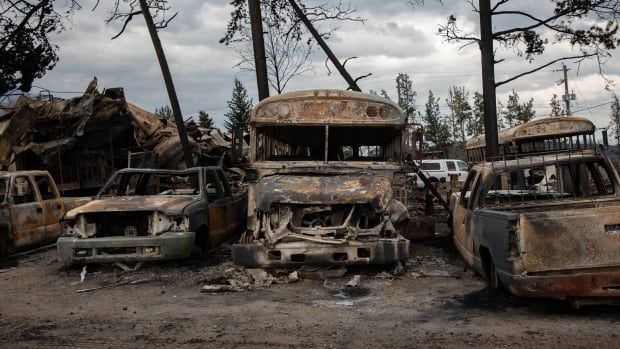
554, 133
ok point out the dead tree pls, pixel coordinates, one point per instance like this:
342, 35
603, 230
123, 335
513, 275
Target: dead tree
288, 44
590, 27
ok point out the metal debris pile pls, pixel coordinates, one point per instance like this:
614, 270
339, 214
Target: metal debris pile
239, 279
81, 141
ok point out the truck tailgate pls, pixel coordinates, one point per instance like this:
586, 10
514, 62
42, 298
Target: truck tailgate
568, 238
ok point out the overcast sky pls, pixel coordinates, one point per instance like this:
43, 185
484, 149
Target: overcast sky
395, 38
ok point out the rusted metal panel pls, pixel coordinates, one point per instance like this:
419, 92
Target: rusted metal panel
571, 238
382, 251
327, 107
344, 189
171, 245
582, 285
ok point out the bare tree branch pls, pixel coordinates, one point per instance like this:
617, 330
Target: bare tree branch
362, 77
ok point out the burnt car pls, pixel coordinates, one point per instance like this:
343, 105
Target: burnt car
544, 225
147, 214
30, 210
325, 167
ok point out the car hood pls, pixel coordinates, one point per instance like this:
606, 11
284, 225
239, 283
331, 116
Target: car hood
166, 204
324, 190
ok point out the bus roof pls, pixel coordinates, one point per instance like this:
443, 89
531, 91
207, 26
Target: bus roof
543, 127
321, 107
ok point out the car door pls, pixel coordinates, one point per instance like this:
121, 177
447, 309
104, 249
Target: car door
27, 213
52, 204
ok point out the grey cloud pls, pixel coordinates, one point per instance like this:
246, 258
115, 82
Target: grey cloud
396, 38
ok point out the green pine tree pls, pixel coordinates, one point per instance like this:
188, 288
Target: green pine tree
406, 95
461, 112
204, 120
516, 113
436, 132
475, 126
165, 112
240, 106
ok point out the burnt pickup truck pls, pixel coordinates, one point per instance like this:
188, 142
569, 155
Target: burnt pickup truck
147, 214
30, 210
543, 226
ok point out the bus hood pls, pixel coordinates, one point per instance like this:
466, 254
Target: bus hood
322, 190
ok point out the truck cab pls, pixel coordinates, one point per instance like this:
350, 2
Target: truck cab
153, 214
30, 210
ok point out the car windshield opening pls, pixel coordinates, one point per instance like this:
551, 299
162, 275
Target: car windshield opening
144, 183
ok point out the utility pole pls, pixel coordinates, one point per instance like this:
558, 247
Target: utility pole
488, 79
258, 42
345, 74
567, 97
165, 70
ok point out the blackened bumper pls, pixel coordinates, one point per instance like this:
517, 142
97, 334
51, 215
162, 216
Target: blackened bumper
171, 245
382, 251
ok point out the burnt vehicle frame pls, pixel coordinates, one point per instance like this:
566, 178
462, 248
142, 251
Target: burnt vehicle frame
30, 210
553, 233
150, 224
325, 178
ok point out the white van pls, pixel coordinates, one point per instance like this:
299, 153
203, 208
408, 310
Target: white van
440, 170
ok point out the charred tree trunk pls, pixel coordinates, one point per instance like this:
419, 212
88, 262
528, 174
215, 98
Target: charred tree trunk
488, 79
258, 42
165, 70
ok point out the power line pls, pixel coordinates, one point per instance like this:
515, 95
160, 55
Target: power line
593, 107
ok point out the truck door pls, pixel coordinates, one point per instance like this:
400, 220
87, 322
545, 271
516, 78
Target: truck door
217, 207
462, 217
52, 204
235, 206
27, 214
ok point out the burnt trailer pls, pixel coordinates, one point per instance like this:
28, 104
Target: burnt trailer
326, 181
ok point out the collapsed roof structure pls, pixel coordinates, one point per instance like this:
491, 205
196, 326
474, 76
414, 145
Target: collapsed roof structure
81, 141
